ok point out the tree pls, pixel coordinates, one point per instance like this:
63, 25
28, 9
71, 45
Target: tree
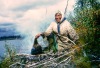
86, 20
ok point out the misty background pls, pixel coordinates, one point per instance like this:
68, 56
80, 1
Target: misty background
26, 18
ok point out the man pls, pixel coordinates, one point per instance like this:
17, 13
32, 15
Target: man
64, 32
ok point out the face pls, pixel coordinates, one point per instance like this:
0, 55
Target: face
58, 17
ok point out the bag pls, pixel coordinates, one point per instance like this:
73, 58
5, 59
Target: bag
37, 49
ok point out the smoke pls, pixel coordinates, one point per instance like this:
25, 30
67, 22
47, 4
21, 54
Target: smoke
28, 26
34, 21
31, 17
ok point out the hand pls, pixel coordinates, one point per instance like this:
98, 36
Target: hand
38, 35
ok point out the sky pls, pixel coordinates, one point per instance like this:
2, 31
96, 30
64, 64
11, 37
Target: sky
29, 14
29, 17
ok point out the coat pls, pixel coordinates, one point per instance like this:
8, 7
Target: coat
67, 35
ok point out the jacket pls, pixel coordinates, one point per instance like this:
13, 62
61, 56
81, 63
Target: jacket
67, 33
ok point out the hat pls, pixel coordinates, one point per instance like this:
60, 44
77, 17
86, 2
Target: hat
58, 12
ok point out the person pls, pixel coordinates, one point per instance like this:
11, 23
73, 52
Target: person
65, 34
